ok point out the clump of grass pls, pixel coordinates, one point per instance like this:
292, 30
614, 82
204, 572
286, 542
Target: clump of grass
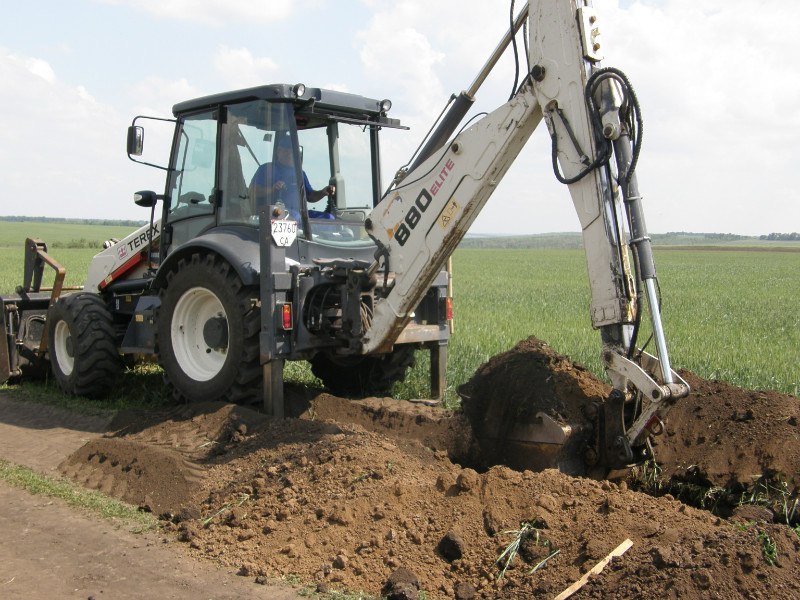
363, 476
36, 483
743, 526
768, 548
225, 508
712, 497
311, 591
527, 530
140, 386
774, 494
767, 491
647, 477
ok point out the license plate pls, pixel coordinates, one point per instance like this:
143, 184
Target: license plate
284, 232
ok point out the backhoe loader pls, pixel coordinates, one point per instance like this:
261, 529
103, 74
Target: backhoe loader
243, 270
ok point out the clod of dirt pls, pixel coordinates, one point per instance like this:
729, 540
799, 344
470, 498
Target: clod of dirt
451, 546
751, 513
434, 427
464, 591
401, 585
152, 477
157, 459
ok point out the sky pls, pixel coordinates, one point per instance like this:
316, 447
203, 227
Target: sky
718, 82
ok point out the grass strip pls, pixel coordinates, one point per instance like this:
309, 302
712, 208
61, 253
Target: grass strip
75, 496
141, 386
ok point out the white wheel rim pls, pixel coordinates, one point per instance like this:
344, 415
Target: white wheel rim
195, 358
63, 349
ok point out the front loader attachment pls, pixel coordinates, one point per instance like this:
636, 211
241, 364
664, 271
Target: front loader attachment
24, 338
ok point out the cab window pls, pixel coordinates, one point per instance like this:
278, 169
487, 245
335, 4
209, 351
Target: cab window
192, 181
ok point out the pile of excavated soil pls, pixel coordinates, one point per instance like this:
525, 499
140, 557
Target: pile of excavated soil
731, 437
348, 496
529, 392
157, 460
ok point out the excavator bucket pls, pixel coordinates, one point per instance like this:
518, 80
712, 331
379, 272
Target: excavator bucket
530, 408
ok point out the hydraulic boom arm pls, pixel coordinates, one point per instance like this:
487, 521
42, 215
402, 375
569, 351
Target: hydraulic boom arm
591, 116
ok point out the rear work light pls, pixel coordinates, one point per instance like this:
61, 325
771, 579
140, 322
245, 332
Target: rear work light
286, 316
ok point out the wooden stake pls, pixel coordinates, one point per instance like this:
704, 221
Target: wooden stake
618, 551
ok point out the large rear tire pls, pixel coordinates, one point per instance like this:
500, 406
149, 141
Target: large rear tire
354, 377
207, 332
82, 345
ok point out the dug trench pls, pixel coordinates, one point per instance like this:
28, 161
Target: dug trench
377, 495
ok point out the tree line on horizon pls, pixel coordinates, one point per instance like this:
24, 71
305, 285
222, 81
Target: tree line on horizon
475, 242
781, 237
71, 221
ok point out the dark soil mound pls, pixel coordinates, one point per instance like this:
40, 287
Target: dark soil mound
731, 437
348, 507
157, 460
528, 390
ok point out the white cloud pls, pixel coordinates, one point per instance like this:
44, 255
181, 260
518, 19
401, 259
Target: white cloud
40, 68
716, 80
239, 68
63, 152
155, 96
337, 87
718, 85
419, 53
422, 90
429, 50
213, 12
84, 94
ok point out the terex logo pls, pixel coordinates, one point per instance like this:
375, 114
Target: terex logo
421, 204
142, 239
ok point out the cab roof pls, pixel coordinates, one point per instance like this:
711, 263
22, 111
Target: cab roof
327, 100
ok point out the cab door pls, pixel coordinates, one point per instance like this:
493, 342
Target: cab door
192, 192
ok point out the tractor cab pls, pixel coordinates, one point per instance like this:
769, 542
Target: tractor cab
279, 146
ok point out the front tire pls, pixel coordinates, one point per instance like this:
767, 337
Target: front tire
207, 332
82, 345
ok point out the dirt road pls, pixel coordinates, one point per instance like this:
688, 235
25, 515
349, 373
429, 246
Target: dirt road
49, 550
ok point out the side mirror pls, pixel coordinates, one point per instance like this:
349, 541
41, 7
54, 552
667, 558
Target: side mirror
146, 198
135, 140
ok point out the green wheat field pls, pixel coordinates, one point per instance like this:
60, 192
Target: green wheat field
730, 312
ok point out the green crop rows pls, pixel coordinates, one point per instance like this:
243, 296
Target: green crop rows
64, 235
73, 246
732, 315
